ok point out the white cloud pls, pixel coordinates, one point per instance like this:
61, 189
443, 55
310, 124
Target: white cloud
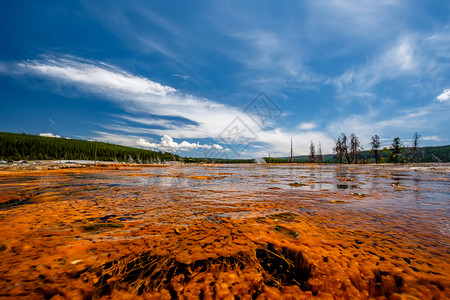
401, 56
307, 126
48, 134
101, 76
444, 96
168, 144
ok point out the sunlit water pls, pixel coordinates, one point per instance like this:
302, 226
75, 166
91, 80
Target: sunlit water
393, 220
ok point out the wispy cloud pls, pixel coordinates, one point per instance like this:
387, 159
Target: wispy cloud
419, 59
184, 77
396, 61
307, 126
105, 78
145, 31
434, 138
365, 19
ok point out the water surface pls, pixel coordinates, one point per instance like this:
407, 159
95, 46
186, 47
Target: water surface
257, 230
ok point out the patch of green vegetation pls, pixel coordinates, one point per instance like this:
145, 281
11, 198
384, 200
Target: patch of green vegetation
99, 226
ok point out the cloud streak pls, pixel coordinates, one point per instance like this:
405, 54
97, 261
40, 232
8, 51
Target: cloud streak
103, 77
396, 61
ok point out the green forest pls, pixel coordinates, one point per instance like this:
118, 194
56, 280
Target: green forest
14, 147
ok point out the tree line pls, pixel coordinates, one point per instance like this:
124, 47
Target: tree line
348, 149
397, 153
14, 147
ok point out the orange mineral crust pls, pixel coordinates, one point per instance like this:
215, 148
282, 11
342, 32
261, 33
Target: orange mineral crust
259, 231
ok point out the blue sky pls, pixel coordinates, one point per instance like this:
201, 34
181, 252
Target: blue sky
226, 78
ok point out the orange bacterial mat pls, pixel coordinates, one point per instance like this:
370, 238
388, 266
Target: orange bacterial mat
252, 231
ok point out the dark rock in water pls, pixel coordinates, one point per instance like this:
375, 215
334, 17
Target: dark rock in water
287, 232
107, 217
296, 184
99, 226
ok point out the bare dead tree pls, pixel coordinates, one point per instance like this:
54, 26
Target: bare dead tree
339, 149
355, 147
291, 156
319, 157
345, 148
312, 153
415, 151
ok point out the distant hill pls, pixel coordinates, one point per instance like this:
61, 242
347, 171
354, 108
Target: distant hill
429, 154
436, 154
15, 146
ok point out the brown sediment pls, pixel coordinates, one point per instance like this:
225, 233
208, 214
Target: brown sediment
171, 232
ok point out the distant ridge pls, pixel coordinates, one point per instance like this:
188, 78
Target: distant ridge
16, 146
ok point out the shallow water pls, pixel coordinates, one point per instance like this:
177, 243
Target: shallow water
213, 231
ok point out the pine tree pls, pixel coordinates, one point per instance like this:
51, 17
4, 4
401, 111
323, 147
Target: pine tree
375, 146
312, 153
